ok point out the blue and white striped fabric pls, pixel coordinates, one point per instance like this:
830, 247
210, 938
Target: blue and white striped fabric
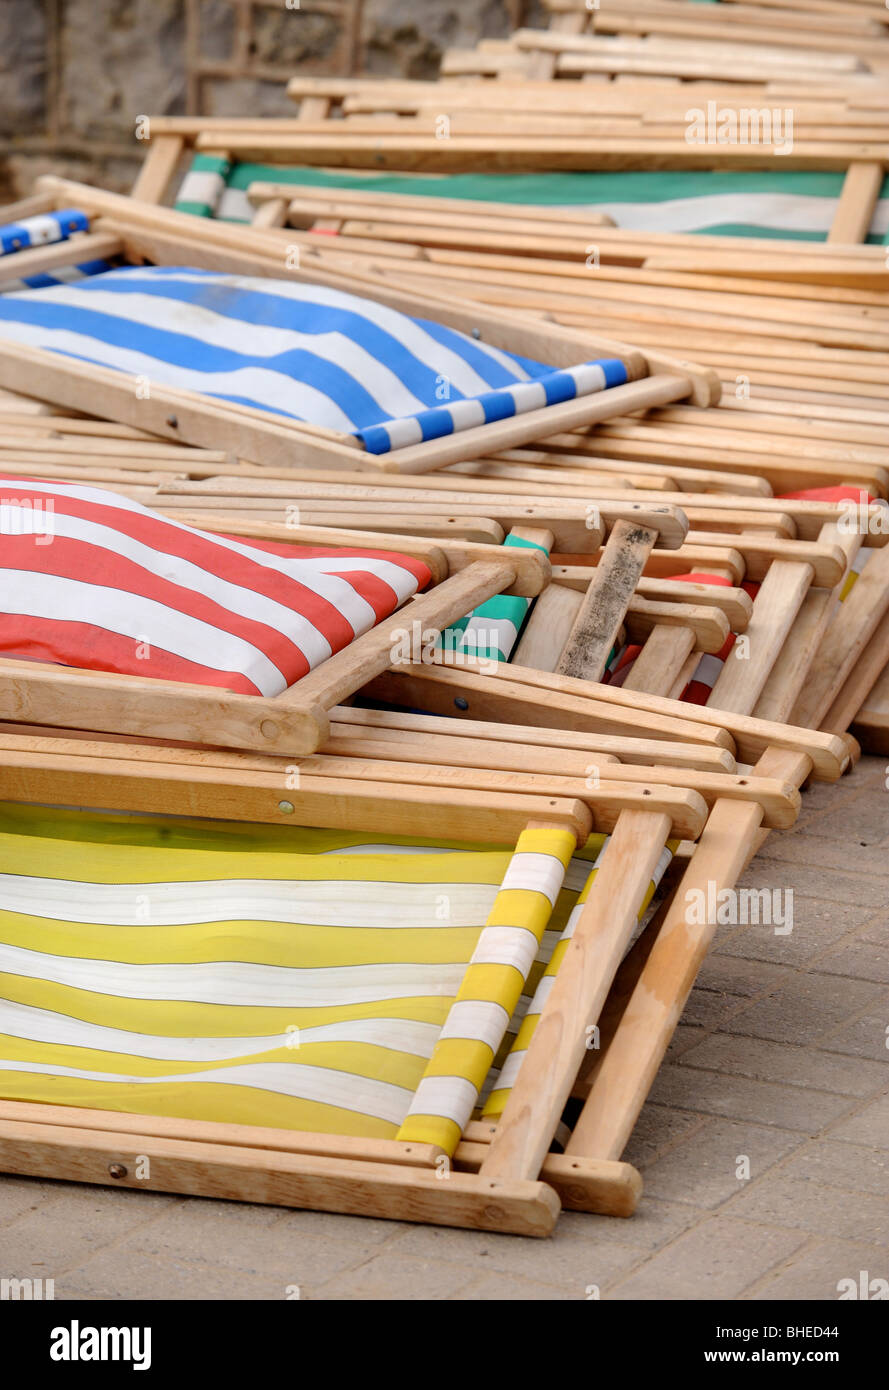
40, 231
314, 354
63, 275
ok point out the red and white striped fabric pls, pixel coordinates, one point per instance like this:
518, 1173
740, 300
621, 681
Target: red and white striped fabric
92, 579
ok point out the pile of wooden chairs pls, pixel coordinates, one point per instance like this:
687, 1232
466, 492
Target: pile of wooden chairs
687, 575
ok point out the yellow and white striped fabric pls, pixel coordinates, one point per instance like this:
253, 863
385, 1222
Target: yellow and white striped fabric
529, 1017
285, 977
491, 989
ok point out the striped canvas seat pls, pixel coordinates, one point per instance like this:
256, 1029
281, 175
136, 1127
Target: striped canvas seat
300, 979
797, 204
91, 579
43, 231
306, 352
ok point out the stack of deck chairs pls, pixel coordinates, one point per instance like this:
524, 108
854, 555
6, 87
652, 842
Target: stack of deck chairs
441, 533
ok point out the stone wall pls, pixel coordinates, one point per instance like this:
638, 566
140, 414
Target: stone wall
75, 74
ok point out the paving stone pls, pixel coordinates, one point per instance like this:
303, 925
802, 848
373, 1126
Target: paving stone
742, 1098
817, 926
806, 1011
876, 930
250, 1239
788, 1063
125, 1274
718, 1259
815, 1207
703, 1170
50, 1241
857, 822
815, 1272
822, 851
869, 1126
866, 1037
20, 1195
858, 960
746, 978
687, 1035
584, 1250
393, 1277
657, 1129
505, 1288
855, 1167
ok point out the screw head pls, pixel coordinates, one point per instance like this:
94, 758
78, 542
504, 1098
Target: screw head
117, 1170
461, 703
286, 808
173, 422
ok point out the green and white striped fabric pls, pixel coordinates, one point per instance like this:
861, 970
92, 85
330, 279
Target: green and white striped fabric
491, 631
793, 204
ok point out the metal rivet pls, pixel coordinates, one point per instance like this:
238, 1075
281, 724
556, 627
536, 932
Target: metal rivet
286, 808
461, 703
476, 332
117, 1170
173, 422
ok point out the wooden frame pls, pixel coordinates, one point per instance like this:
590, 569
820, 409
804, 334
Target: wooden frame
486, 1188
167, 237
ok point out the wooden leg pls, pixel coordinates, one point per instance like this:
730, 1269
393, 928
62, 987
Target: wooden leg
155, 176
858, 199
846, 639
658, 665
777, 604
627, 1069
556, 1050
605, 601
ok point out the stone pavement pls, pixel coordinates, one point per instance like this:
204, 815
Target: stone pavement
780, 1068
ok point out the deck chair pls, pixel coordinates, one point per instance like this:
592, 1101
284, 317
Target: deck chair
460, 385
103, 590
249, 1110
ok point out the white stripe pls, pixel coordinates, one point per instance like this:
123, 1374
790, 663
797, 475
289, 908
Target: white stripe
479, 631
42, 229
247, 603
357, 1093
537, 873
708, 670
258, 339
509, 1071
506, 946
466, 414
201, 186
411, 335
50, 596
60, 1030
238, 982
448, 1097
269, 389
234, 206
779, 211
320, 573
403, 432
478, 1019
328, 903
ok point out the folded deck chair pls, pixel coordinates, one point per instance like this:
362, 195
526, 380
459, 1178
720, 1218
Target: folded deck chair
365, 1034
336, 1059
310, 367
116, 618
799, 204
